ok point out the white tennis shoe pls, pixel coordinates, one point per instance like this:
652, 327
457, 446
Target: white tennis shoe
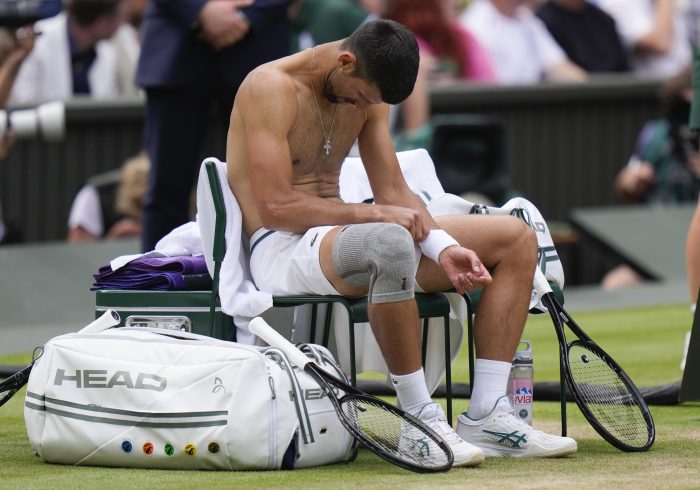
501, 433
464, 453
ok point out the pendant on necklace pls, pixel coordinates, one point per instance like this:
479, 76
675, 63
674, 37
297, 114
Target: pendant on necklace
327, 145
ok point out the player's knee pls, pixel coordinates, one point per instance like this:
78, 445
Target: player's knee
523, 240
395, 256
378, 256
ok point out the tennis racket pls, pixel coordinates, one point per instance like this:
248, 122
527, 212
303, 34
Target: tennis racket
604, 393
383, 428
14, 383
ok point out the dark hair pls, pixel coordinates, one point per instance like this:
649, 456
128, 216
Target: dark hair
387, 56
85, 12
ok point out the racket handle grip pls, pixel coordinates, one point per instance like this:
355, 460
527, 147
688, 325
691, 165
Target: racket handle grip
260, 328
106, 321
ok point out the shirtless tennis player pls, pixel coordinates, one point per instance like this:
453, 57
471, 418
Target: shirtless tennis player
293, 123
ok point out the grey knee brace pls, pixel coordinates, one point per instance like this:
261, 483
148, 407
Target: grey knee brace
379, 256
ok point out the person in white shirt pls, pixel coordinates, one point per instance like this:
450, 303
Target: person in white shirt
655, 33
520, 48
14, 49
72, 56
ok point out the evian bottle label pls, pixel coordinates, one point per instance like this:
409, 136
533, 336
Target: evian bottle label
522, 398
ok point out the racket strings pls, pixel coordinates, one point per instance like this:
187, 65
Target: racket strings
607, 396
396, 436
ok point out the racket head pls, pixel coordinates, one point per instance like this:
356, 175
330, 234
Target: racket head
608, 398
379, 426
13, 384
394, 435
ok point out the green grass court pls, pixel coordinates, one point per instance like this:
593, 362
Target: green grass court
647, 342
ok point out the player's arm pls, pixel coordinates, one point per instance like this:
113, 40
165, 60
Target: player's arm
384, 173
461, 265
267, 103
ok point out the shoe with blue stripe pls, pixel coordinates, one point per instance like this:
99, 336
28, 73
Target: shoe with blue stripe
502, 434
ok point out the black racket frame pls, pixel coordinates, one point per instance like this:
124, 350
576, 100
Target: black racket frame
560, 317
327, 381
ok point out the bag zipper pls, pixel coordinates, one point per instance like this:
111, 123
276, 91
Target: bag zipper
272, 416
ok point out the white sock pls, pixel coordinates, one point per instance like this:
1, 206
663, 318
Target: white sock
490, 384
411, 391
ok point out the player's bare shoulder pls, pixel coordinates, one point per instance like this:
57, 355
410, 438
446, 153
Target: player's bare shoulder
268, 87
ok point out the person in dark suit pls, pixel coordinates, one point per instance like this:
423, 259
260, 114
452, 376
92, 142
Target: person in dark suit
193, 53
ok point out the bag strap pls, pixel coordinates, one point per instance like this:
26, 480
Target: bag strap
307, 433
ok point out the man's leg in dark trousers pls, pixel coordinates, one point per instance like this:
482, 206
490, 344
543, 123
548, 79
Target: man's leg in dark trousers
176, 119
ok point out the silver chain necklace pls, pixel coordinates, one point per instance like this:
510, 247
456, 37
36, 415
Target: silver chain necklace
326, 137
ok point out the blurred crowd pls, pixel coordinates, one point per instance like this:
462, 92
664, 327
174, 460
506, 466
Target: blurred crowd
186, 57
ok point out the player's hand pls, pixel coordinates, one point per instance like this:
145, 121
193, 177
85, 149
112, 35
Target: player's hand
409, 218
222, 24
464, 269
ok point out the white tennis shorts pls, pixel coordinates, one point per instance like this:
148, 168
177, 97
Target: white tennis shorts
284, 263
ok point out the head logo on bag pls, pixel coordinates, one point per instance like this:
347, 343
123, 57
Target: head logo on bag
314, 393
101, 378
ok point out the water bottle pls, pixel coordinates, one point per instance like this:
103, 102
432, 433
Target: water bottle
520, 382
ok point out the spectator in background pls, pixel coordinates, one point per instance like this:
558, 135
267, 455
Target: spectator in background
665, 164
664, 167
322, 21
14, 49
72, 56
110, 209
587, 35
520, 48
127, 44
654, 32
448, 52
192, 55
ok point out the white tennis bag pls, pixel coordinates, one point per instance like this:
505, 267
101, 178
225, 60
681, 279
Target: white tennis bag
136, 397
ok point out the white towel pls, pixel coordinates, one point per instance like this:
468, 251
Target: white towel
239, 296
416, 166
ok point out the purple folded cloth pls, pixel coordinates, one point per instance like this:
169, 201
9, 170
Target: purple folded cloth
156, 273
